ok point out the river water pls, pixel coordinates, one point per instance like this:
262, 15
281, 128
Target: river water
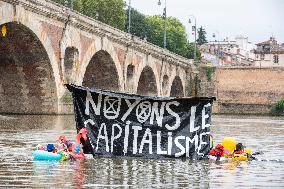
20, 134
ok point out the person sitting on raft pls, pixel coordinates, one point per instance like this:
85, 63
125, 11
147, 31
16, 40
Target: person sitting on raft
68, 146
65, 144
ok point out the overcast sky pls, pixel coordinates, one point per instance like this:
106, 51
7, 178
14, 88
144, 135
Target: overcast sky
256, 19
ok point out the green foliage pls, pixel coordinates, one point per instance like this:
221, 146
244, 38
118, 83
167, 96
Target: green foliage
176, 35
110, 12
278, 108
138, 23
155, 29
190, 52
78, 5
201, 36
209, 72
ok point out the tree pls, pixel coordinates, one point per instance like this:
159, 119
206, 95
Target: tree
190, 52
201, 36
110, 12
154, 29
138, 23
176, 35
78, 5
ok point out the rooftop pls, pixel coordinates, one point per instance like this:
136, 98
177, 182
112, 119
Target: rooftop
271, 41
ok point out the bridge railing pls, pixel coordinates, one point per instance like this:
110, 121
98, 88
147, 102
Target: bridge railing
54, 10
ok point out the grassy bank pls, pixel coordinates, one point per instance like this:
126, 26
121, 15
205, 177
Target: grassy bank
278, 108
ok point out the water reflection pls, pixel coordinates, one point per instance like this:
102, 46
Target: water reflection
58, 174
20, 134
146, 173
127, 173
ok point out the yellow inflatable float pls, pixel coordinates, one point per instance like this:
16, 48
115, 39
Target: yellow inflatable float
229, 144
231, 151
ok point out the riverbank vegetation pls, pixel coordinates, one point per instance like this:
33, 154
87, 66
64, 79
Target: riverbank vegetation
150, 28
209, 72
278, 108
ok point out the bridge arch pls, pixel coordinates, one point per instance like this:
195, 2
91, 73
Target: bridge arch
28, 76
92, 50
147, 84
177, 88
101, 72
30, 21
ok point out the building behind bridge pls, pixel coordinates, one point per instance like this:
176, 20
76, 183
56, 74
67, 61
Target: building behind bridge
269, 54
241, 52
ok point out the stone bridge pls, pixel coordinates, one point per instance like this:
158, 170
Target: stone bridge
44, 45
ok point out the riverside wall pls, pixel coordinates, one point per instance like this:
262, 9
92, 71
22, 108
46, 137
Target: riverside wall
243, 90
248, 90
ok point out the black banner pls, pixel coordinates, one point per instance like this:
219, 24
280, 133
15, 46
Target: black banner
121, 124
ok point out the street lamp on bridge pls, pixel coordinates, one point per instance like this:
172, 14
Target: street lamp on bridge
129, 16
165, 22
193, 29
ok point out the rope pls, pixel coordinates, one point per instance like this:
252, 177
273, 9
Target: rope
270, 160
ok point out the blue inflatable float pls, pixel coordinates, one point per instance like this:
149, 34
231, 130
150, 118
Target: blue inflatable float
45, 155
